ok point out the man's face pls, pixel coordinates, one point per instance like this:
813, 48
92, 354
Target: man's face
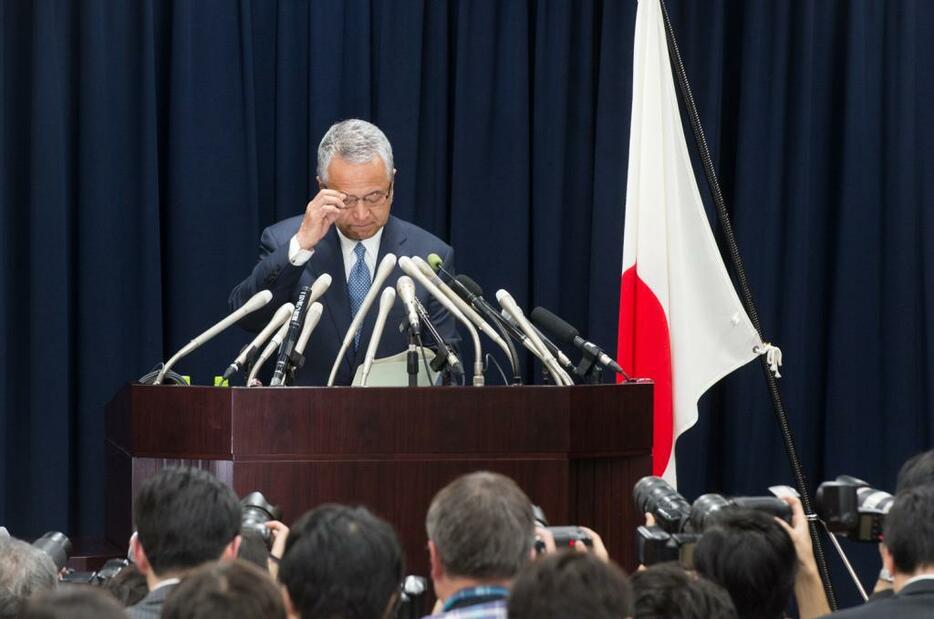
371, 185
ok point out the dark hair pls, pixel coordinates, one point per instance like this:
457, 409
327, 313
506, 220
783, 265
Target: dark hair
235, 589
253, 548
343, 562
73, 602
667, 590
128, 586
24, 571
482, 526
917, 471
909, 529
185, 517
747, 553
570, 584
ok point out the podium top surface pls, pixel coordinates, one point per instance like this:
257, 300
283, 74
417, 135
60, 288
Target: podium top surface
263, 423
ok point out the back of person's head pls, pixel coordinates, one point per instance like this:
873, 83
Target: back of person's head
24, 571
73, 602
234, 589
184, 517
570, 584
909, 530
128, 586
917, 471
481, 526
341, 563
748, 553
253, 548
667, 591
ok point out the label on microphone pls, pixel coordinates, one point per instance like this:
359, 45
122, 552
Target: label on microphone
220, 381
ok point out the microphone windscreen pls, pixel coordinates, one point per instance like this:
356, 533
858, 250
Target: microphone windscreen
257, 301
470, 285
549, 323
435, 261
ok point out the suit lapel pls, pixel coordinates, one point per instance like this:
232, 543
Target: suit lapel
393, 241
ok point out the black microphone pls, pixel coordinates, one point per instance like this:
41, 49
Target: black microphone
564, 332
291, 337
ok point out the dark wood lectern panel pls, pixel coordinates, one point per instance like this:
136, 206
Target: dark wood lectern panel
575, 451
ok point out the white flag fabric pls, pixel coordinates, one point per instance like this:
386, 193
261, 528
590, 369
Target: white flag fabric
681, 322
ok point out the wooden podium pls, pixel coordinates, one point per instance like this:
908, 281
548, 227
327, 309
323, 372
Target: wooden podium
576, 451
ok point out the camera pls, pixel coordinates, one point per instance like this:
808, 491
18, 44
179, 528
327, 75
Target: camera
678, 524
256, 512
852, 508
58, 547
564, 536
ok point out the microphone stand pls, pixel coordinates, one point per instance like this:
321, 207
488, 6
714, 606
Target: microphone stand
440, 363
589, 368
411, 357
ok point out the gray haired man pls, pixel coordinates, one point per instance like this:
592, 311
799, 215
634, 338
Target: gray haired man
24, 571
480, 530
346, 230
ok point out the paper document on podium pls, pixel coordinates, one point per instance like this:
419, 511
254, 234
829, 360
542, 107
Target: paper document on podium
392, 371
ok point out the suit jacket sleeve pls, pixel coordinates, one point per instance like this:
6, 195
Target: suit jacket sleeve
273, 272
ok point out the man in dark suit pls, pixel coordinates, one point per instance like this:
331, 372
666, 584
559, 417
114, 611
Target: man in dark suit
345, 231
908, 554
184, 518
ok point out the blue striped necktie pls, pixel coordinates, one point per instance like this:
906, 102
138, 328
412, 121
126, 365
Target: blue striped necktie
358, 284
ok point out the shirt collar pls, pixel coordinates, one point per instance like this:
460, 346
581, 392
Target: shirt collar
371, 245
166, 583
917, 578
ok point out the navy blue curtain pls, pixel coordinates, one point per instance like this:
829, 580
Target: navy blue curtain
145, 144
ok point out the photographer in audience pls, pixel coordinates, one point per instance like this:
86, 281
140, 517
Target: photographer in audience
480, 529
73, 602
749, 554
230, 589
341, 563
668, 590
24, 570
570, 584
908, 554
185, 517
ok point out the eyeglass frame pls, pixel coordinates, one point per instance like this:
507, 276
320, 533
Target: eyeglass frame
370, 204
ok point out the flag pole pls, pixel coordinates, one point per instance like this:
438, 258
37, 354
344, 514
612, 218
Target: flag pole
687, 99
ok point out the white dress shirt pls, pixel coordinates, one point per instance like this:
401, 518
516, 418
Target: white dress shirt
299, 256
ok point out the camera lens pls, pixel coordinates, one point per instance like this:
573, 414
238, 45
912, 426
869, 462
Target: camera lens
655, 496
705, 508
257, 511
57, 546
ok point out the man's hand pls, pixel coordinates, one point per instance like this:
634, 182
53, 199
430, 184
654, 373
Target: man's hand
598, 550
809, 591
279, 533
320, 213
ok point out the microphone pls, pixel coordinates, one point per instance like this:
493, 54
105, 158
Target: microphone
406, 288
512, 308
271, 347
564, 332
466, 309
311, 321
411, 269
386, 301
255, 302
291, 336
248, 354
551, 346
318, 288
386, 265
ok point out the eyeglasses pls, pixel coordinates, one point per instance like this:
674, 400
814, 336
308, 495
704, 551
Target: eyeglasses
370, 200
